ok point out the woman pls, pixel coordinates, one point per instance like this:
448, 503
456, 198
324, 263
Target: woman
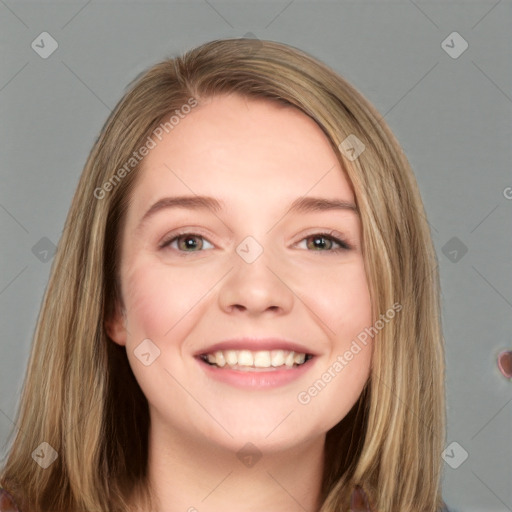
195, 350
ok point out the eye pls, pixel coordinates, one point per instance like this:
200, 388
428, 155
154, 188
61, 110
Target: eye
324, 242
193, 242
187, 242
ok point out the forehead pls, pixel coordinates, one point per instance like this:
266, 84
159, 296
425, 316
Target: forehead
241, 150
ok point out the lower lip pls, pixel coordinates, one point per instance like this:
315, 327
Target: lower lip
256, 380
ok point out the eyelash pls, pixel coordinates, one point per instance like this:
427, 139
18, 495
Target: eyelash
344, 246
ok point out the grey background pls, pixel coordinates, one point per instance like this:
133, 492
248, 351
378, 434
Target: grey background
451, 115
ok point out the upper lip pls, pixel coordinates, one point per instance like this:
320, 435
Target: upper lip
256, 344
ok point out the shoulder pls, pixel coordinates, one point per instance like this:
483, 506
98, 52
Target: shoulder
7, 503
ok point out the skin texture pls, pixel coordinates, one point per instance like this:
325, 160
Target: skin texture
257, 157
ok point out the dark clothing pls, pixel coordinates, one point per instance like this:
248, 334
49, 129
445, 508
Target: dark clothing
7, 502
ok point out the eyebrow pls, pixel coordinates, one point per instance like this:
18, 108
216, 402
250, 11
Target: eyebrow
300, 205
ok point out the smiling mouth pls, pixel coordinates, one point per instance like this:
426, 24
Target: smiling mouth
261, 360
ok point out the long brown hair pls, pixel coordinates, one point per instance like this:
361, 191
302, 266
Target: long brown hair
79, 393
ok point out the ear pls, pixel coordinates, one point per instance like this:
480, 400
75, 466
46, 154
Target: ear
116, 326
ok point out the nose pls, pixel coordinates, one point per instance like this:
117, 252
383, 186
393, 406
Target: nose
257, 287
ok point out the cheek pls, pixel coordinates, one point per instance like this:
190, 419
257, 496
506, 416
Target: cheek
158, 298
342, 299
336, 384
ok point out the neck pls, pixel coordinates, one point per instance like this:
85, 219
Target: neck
188, 475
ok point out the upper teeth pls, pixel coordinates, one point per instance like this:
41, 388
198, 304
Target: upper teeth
258, 359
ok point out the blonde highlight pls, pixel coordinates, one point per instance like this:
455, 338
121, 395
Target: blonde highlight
390, 443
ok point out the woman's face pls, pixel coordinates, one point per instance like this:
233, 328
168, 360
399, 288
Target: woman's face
249, 268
